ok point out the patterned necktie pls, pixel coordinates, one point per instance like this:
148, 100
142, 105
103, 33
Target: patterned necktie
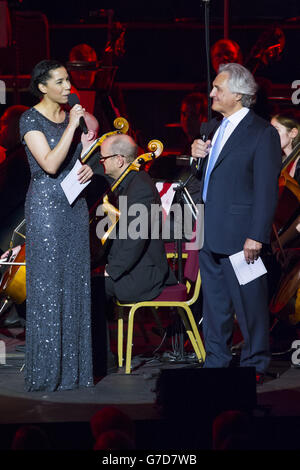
215, 151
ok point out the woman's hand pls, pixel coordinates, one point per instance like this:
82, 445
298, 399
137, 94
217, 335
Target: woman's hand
84, 174
75, 114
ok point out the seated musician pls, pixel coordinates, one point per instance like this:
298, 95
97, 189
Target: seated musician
224, 51
289, 132
137, 267
285, 244
193, 112
14, 169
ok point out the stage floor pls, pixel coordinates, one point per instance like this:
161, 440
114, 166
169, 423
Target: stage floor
278, 399
134, 393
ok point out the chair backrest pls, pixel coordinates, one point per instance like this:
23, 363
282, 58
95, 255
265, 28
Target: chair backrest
191, 272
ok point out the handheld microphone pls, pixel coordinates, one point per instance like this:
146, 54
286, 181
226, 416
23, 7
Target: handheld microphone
72, 100
204, 131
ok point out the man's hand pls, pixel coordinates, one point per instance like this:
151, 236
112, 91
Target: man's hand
252, 249
200, 148
14, 253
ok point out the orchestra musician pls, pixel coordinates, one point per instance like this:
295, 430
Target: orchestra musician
289, 131
137, 267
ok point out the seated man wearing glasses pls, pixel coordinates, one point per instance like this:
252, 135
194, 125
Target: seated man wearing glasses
137, 267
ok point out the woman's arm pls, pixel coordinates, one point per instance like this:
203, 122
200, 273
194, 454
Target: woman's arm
51, 160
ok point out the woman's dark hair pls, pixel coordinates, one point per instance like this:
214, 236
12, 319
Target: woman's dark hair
289, 122
41, 74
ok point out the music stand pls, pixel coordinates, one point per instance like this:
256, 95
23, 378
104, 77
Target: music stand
182, 197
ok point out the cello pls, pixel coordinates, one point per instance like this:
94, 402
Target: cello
285, 302
13, 281
289, 195
107, 208
121, 125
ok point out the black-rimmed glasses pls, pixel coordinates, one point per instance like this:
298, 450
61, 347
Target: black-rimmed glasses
108, 156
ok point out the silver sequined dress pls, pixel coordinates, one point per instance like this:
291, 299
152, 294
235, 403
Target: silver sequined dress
58, 325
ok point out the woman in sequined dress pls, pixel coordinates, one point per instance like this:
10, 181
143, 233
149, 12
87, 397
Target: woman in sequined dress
58, 330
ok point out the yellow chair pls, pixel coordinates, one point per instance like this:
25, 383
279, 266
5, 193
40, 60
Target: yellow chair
181, 296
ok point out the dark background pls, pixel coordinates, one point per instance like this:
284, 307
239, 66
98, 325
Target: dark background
165, 44
165, 39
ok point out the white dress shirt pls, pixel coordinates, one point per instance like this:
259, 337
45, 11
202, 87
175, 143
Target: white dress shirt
234, 121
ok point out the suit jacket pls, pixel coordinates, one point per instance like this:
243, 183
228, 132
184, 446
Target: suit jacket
243, 187
138, 267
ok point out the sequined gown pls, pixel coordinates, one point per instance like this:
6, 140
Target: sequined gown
58, 330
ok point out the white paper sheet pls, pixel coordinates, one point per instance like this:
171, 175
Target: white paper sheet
166, 197
70, 184
246, 272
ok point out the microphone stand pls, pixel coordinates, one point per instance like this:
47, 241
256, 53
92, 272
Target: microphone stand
207, 54
181, 193
182, 197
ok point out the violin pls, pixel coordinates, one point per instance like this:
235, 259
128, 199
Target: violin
107, 208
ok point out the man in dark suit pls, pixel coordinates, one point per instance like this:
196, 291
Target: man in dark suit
137, 267
240, 181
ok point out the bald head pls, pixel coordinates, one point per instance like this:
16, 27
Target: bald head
121, 144
117, 151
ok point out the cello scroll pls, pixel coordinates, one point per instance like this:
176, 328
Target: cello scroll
156, 148
120, 124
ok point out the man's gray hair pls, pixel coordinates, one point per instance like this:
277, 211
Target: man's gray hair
241, 81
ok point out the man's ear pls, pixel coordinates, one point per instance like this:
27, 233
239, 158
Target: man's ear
91, 135
121, 161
